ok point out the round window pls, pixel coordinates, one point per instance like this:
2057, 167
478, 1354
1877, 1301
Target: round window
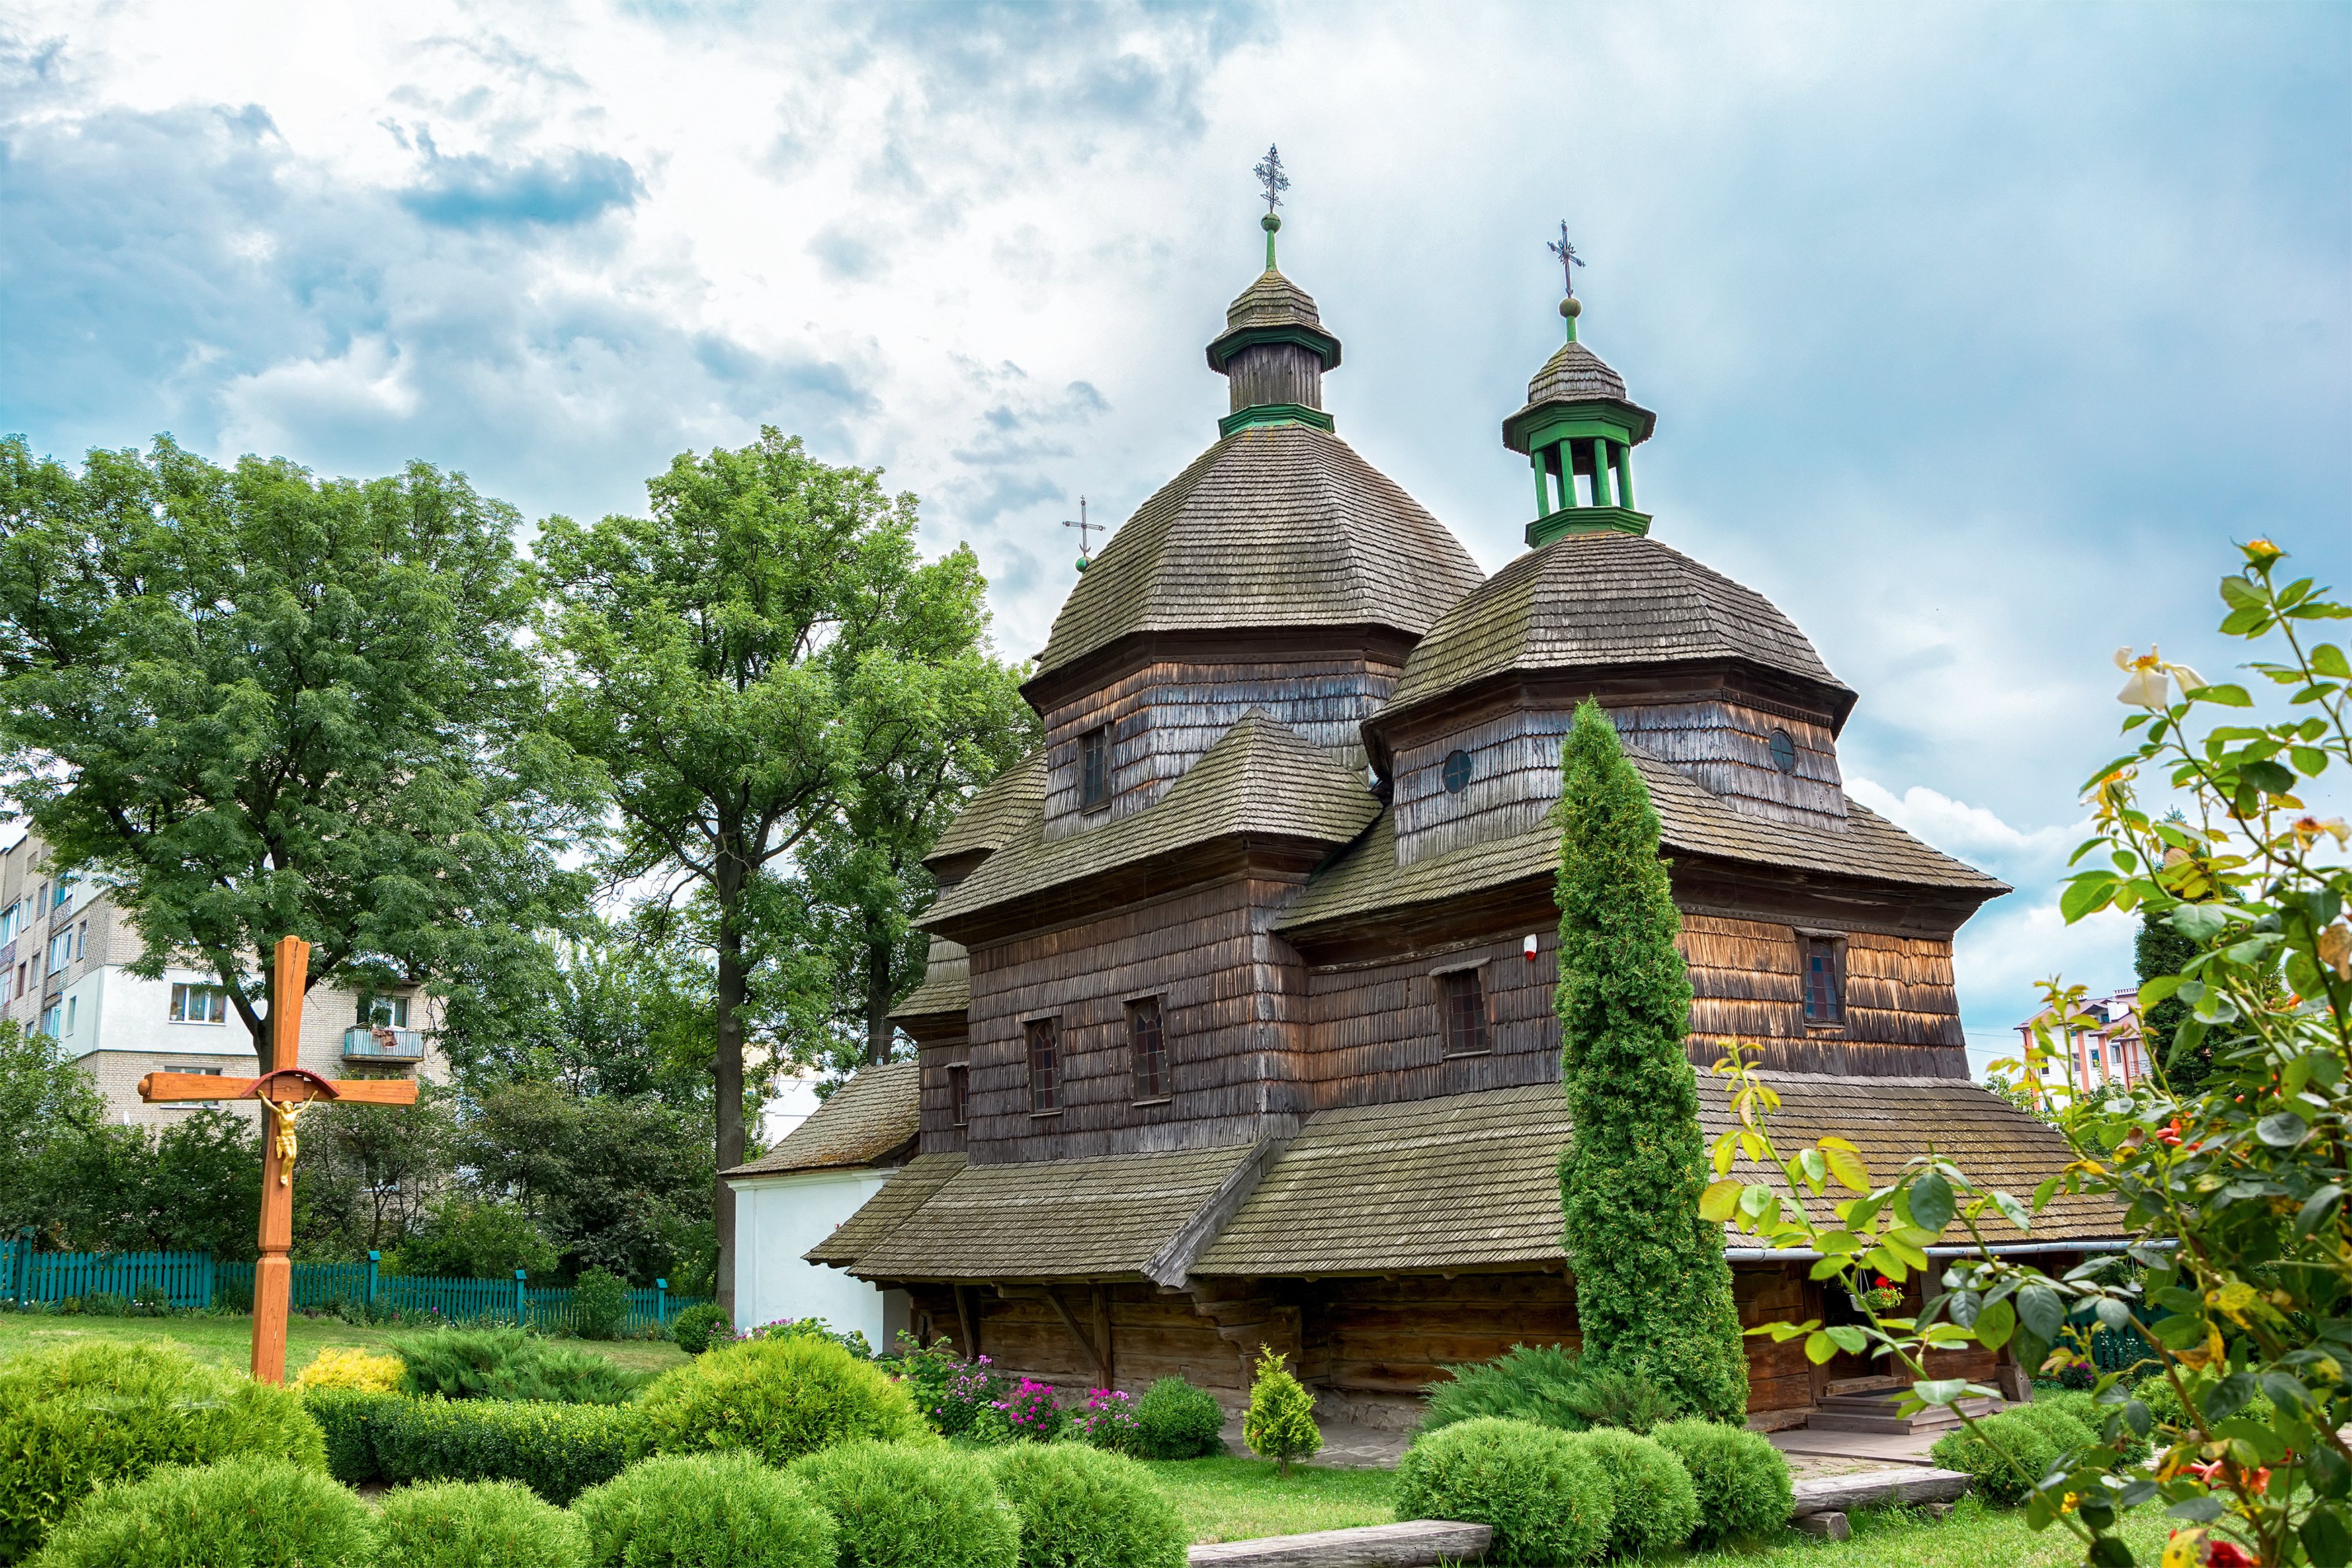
1784, 751
1457, 772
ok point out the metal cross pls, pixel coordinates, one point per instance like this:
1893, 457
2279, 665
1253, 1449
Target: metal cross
1569, 259
1269, 175
1085, 547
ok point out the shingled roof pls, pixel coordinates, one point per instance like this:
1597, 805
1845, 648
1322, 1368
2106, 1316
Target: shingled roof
947, 983
1472, 1181
1275, 526
995, 816
1692, 819
1271, 304
874, 1113
910, 1187
1606, 599
1259, 779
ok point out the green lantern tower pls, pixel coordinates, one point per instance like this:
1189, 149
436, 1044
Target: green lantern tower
1274, 349
1579, 424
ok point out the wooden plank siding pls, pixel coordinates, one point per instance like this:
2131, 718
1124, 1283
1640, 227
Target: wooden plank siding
1376, 1035
1902, 1017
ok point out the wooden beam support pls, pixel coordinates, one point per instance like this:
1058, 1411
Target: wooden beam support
1106, 1354
160, 1088
967, 1320
1102, 1367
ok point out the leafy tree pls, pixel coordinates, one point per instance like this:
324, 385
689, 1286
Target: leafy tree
466, 1237
259, 703
1653, 1290
2159, 949
1279, 1424
618, 1008
738, 661
369, 1172
43, 1099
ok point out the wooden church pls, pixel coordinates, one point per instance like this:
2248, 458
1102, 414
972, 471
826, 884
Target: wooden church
1238, 1029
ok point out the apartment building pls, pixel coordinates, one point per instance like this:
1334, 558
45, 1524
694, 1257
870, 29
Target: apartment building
2111, 1051
65, 950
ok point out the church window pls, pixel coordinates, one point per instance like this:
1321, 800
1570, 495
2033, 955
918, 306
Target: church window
1146, 1049
1044, 1064
1784, 751
960, 1093
1465, 1011
1094, 768
1457, 772
1824, 981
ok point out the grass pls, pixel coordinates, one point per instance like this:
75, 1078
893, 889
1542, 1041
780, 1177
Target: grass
228, 1341
1236, 1499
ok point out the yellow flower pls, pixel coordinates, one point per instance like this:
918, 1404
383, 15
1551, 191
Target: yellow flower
2262, 553
348, 1367
2308, 829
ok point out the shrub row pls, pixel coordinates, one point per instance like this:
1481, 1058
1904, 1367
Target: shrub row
557, 1450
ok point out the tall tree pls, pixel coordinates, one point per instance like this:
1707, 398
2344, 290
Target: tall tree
257, 703
1652, 1289
2159, 949
738, 661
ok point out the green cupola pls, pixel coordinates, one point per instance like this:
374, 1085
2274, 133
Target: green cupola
1579, 425
1274, 349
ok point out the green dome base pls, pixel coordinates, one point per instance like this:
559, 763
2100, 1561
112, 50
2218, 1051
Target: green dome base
1587, 520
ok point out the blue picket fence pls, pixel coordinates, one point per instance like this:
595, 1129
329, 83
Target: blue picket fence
190, 1279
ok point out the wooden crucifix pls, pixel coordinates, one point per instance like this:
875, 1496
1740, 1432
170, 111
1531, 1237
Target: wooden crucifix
284, 1094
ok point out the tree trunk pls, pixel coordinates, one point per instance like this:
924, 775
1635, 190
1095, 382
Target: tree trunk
880, 1031
726, 1066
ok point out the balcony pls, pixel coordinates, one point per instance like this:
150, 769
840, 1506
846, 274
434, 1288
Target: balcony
378, 1044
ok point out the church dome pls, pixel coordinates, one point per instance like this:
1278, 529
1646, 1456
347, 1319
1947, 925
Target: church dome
1574, 373
1600, 600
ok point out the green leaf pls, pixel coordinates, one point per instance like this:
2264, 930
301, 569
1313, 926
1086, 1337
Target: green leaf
2227, 696
2157, 989
1719, 1201
2179, 1332
2314, 1209
2086, 894
2012, 1210
2040, 1311
2198, 922
1931, 1202
2282, 1129
1819, 1348
1995, 1323
2324, 1537
1846, 1166
1940, 1390
2229, 1397
2327, 659
2240, 593
2108, 1550
1848, 1338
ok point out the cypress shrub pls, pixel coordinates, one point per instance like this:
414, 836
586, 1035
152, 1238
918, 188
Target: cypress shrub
556, 1450
1535, 1384
2062, 1425
81, 1414
508, 1364
1740, 1479
476, 1524
904, 1505
1653, 1503
1547, 1498
779, 1399
704, 1510
692, 1328
2159, 949
1178, 1420
2006, 1456
238, 1513
2086, 1407
1082, 1508
1280, 1422
1652, 1289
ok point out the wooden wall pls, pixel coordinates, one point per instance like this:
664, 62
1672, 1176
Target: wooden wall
1154, 1333
1778, 1375
1376, 1033
1901, 1017
1275, 372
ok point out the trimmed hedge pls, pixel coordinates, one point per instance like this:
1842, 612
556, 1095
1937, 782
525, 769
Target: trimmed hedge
705, 1510
1177, 1420
1741, 1481
903, 1505
778, 1398
2086, 1408
557, 1450
82, 1415
476, 1524
1082, 1508
349, 1419
1543, 1491
2007, 1455
239, 1513
1654, 1505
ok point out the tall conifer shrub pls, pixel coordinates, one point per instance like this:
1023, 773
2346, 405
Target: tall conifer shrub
1653, 1290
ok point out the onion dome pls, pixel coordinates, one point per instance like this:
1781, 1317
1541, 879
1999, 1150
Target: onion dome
1273, 351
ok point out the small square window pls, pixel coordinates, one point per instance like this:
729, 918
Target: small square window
959, 1095
384, 1012
1094, 768
1465, 1011
1824, 981
1146, 1049
1045, 1063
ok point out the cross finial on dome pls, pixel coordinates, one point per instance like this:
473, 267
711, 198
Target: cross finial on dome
1569, 306
1270, 175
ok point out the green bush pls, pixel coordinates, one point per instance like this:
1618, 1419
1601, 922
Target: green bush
476, 1524
350, 1418
1653, 1503
1546, 1497
705, 1510
1179, 1421
2164, 1406
556, 1450
692, 1328
2086, 1408
600, 1304
239, 1513
1081, 1507
1625, 1400
903, 1505
80, 1414
1741, 1480
510, 1364
1280, 1422
2006, 1454
1528, 1383
779, 1399
2062, 1427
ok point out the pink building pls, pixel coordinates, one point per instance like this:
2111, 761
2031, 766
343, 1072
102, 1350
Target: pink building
2111, 1052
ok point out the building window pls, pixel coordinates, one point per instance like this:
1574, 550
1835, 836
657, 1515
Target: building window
1457, 772
1784, 751
53, 1019
199, 1004
1094, 768
959, 1094
1465, 1011
1044, 1064
10, 919
1146, 1049
60, 951
73, 1013
1824, 981
384, 1012
82, 940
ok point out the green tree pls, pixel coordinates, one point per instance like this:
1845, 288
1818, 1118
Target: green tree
1653, 1290
738, 661
1279, 1424
258, 703
44, 1101
2159, 949
369, 1172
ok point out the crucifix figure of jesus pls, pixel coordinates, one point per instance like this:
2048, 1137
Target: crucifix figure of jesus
285, 1095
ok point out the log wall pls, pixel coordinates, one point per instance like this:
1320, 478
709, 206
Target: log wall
1275, 372
1376, 1033
1778, 1375
1902, 1012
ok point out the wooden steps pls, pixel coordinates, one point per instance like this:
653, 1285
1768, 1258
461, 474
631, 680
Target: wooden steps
1875, 1410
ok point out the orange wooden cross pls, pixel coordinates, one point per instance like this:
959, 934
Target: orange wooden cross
286, 1092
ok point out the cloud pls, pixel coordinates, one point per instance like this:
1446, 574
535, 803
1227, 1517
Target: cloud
473, 192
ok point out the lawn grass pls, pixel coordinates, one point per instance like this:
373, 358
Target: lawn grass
228, 1340
1239, 1499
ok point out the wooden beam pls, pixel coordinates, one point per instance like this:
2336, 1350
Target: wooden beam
1101, 1366
1107, 1356
160, 1088
1419, 1544
966, 1319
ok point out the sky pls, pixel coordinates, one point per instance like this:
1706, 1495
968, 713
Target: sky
1977, 333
